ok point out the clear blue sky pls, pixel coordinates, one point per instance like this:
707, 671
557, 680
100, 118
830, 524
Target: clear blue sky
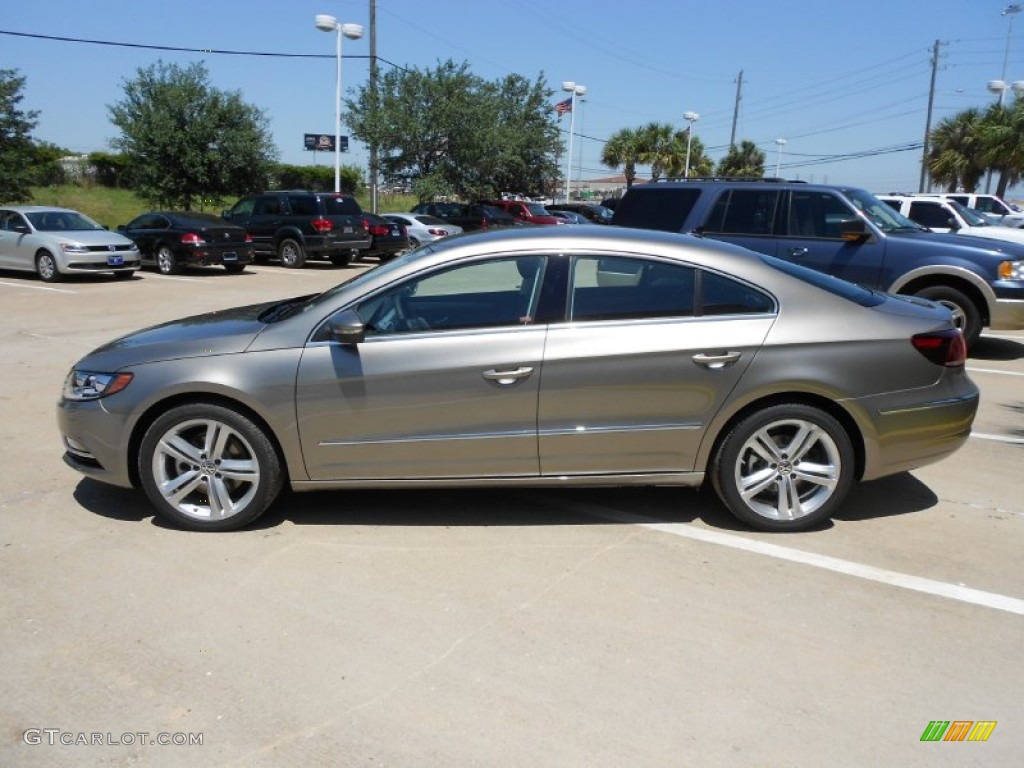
832, 78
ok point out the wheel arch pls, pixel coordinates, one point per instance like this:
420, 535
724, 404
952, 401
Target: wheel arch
912, 284
289, 233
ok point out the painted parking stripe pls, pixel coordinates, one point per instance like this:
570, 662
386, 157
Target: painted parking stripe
971, 369
825, 562
998, 438
37, 287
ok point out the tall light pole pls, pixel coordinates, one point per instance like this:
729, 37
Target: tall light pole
574, 89
999, 86
327, 23
691, 118
778, 162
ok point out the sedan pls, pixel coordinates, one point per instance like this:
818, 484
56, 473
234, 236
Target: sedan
173, 240
387, 238
569, 217
54, 242
422, 227
555, 357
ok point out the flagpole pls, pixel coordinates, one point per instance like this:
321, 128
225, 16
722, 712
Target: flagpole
573, 89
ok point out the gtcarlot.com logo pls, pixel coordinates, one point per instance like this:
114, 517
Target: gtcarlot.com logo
58, 736
958, 730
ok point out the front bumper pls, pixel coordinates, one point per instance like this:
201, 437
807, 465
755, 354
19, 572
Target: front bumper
94, 441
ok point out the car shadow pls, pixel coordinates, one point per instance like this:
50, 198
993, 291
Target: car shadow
987, 348
78, 278
488, 507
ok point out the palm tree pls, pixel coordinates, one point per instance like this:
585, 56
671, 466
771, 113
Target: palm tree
700, 163
623, 149
743, 160
663, 149
954, 154
1002, 143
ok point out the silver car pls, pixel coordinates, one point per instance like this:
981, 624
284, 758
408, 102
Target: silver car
54, 242
540, 357
423, 228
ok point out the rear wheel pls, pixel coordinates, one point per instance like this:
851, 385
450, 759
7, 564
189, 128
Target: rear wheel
966, 315
46, 267
234, 269
341, 259
166, 263
785, 468
290, 252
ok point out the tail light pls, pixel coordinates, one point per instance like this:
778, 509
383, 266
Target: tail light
248, 237
191, 238
484, 224
323, 225
437, 232
942, 347
375, 229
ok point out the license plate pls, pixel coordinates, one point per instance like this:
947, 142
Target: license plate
115, 261
230, 257
348, 229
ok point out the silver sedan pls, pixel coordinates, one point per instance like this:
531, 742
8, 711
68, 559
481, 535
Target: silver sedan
542, 357
423, 228
54, 242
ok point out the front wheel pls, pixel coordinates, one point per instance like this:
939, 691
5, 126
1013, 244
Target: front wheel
785, 468
290, 253
166, 263
966, 315
234, 269
207, 468
46, 267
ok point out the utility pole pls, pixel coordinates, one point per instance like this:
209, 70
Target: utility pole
373, 100
736, 109
924, 183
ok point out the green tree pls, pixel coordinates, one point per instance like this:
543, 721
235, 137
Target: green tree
17, 154
188, 141
744, 160
954, 151
624, 150
664, 149
1002, 143
700, 163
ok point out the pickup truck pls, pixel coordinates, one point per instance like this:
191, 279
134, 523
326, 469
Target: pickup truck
530, 213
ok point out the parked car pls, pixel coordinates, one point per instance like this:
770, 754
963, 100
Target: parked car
388, 239
173, 240
469, 217
993, 207
422, 227
570, 217
845, 232
540, 356
296, 225
525, 211
597, 214
945, 215
54, 242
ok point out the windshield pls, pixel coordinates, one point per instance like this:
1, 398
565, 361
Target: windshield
61, 221
537, 209
880, 214
973, 218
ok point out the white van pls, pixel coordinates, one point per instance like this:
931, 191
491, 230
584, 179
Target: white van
940, 214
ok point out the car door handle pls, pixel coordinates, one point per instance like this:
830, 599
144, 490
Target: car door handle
716, 362
508, 377
798, 252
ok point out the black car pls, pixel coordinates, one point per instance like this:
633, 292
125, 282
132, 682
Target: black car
388, 237
296, 225
173, 240
470, 217
594, 213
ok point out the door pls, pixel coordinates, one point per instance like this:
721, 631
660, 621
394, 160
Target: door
651, 353
445, 384
16, 247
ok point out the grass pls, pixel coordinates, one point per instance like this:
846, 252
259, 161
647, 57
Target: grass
111, 207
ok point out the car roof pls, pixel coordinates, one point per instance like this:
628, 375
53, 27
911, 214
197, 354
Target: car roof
37, 208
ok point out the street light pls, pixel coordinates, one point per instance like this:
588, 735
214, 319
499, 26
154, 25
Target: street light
327, 23
691, 117
778, 163
575, 89
999, 86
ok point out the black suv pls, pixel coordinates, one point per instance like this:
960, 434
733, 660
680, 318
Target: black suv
596, 214
845, 232
295, 225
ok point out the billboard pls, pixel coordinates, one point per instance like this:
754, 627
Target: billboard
322, 142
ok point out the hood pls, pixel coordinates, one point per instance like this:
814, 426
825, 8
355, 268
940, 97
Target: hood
89, 237
969, 247
215, 333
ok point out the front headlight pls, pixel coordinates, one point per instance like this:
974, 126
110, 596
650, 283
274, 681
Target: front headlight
74, 248
88, 385
1011, 270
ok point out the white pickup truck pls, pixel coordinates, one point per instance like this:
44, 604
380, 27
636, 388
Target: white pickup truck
941, 214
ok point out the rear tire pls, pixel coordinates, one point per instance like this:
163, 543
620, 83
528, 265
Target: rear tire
46, 268
166, 263
966, 315
291, 254
234, 269
341, 259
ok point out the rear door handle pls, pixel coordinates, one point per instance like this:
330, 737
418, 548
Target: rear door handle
508, 377
716, 362
798, 252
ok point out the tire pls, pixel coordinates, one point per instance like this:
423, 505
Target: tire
290, 252
178, 469
341, 259
46, 268
966, 315
234, 269
125, 275
760, 480
413, 243
166, 263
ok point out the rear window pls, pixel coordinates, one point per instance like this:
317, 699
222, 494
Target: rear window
341, 206
665, 209
834, 285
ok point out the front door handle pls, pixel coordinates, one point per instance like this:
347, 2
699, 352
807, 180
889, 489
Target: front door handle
716, 362
796, 253
508, 377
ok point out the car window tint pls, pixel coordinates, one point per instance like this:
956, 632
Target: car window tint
721, 295
929, 214
303, 205
816, 214
341, 206
744, 212
484, 294
243, 207
664, 208
267, 206
619, 287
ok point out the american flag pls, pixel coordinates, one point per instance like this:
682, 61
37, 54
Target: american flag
564, 106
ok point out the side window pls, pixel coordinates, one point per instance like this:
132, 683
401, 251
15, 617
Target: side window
666, 209
929, 214
894, 204
720, 295
303, 205
495, 293
619, 287
816, 214
962, 199
744, 212
243, 207
267, 206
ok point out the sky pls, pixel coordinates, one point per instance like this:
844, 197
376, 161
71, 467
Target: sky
845, 85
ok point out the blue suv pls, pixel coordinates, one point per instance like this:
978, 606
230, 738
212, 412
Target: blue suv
846, 232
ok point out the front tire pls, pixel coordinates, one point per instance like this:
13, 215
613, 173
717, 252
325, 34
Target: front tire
234, 269
966, 315
205, 467
46, 268
290, 252
166, 263
785, 468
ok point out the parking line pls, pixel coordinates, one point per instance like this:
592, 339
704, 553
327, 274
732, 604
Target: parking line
172, 277
825, 562
998, 438
971, 369
37, 287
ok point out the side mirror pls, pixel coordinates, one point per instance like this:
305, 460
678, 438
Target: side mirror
952, 223
225, 214
853, 230
21, 229
122, 227
347, 327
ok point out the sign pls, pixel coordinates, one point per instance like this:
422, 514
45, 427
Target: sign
322, 142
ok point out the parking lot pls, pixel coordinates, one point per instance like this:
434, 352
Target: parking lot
638, 627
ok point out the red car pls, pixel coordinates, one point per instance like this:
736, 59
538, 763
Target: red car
531, 213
